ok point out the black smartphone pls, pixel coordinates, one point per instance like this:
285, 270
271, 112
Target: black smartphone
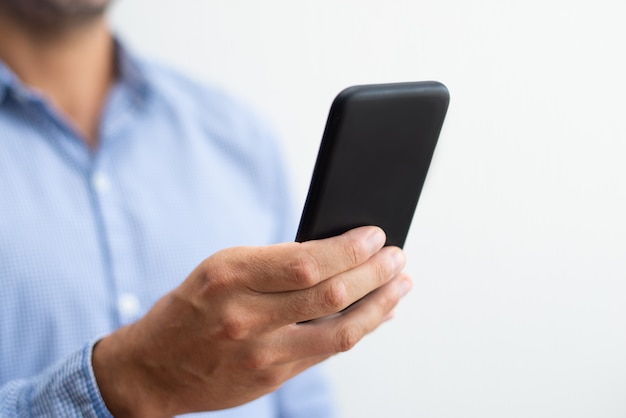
375, 152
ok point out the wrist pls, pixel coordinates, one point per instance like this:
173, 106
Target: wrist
118, 375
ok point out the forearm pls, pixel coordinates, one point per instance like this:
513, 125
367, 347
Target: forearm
67, 389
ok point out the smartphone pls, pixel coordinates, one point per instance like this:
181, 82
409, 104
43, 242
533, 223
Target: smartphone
377, 146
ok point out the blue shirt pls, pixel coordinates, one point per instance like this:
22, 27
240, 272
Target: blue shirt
90, 240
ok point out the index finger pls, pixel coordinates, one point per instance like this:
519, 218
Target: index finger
296, 266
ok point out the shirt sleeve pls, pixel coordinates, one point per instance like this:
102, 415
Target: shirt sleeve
67, 389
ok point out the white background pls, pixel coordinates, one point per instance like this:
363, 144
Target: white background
518, 245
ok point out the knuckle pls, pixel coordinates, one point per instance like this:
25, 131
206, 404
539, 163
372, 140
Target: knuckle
347, 337
270, 378
383, 271
305, 269
235, 327
335, 295
214, 271
389, 300
355, 251
384, 268
259, 360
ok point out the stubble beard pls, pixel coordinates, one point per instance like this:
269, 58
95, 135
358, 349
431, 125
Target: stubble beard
54, 15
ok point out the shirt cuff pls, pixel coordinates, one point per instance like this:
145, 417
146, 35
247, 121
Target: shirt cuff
69, 389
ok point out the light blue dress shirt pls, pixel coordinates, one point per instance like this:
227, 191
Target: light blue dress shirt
90, 240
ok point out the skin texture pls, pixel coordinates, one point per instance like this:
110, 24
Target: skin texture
231, 331
234, 329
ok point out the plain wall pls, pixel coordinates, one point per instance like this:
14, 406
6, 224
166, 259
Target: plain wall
518, 246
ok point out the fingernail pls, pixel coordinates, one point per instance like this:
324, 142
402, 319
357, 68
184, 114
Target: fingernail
404, 286
398, 260
376, 240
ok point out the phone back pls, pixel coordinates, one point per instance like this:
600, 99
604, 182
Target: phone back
376, 149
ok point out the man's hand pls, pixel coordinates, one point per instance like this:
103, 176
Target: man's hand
233, 330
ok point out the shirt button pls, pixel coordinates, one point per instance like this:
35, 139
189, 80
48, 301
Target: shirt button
100, 183
129, 307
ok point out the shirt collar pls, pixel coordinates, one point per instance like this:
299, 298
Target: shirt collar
8, 81
130, 75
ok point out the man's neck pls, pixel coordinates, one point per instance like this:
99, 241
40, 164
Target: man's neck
73, 67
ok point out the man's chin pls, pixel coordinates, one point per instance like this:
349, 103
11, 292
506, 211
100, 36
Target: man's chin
55, 14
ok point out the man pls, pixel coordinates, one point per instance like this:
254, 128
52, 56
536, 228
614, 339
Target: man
117, 179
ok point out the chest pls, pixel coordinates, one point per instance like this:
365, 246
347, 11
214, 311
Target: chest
87, 246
